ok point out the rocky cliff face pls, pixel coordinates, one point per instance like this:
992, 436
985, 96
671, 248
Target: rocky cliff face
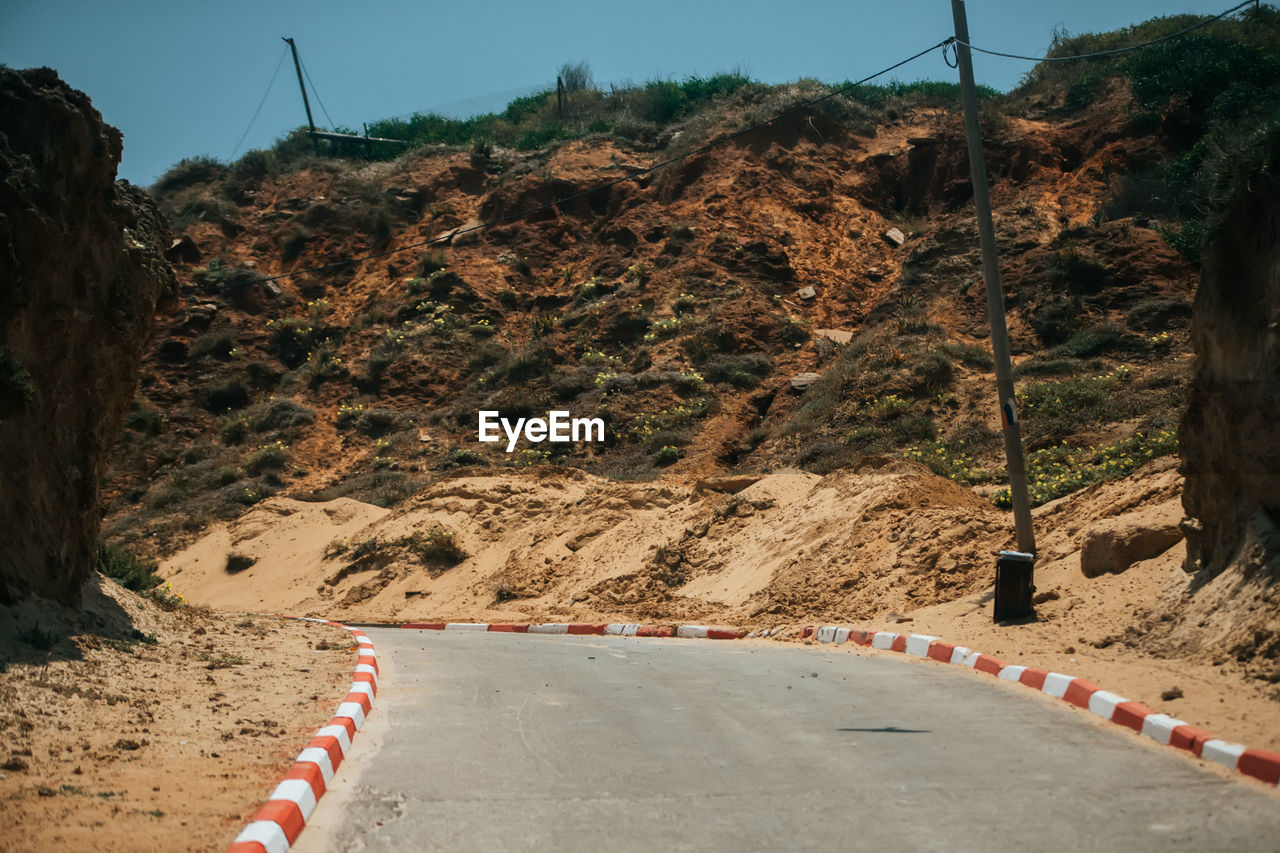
81, 275
1231, 432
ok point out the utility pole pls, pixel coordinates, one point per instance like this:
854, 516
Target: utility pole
995, 304
297, 66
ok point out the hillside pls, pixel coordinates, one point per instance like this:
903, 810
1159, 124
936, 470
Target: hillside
677, 307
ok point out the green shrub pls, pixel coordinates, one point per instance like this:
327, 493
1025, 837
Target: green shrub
1057, 471
1187, 240
1069, 396
970, 355
294, 242
794, 331
281, 415
291, 340
437, 547
741, 371
226, 396
213, 345
932, 370
187, 173
234, 429
125, 569
1090, 341
461, 457
1075, 270
667, 455
144, 421
949, 460
268, 457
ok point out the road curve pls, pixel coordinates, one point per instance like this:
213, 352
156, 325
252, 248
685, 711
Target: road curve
509, 742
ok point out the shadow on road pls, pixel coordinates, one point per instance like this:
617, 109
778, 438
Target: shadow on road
890, 730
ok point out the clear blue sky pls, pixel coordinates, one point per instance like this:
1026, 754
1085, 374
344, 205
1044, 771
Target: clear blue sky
183, 78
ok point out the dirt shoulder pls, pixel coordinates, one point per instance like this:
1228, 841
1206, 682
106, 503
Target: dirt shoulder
128, 727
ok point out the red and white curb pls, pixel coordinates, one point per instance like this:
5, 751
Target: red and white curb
1258, 763
618, 629
275, 826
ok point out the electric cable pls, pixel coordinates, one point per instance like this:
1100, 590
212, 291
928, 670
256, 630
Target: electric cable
316, 92
1113, 51
707, 146
274, 74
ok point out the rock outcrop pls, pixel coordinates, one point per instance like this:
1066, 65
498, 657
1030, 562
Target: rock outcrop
1231, 432
82, 272
1114, 544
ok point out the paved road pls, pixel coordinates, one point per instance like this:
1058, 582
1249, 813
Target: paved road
507, 742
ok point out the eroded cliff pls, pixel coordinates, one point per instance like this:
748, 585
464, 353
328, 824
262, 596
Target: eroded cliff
1231, 432
82, 272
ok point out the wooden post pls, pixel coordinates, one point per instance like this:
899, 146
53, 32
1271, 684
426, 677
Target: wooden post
297, 66
560, 96
995, 294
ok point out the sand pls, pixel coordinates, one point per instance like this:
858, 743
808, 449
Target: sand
165, 740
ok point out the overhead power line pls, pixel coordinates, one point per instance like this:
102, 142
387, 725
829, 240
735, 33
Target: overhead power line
316, 92
274, 74
707, 146
1114, 51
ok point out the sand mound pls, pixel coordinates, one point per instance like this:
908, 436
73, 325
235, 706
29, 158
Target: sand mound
550, 543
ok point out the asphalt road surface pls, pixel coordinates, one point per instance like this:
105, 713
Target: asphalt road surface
508, 742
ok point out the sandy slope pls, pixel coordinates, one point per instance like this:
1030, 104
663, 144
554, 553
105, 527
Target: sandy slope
132, 728
885, 543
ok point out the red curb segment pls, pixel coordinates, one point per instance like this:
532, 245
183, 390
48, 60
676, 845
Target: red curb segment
587, 629
1034, 678
1261, 764
1257, 763
986, 663
277, 824
287, 814
1190, 738
348, 724
1079, 691
938, 651
362, 699
1131, 714
329, 744
309, 773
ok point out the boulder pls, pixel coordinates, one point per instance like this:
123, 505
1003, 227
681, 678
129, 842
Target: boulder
836, 336
183, 250
728, 484
1114, 544
895, 237
802, 381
